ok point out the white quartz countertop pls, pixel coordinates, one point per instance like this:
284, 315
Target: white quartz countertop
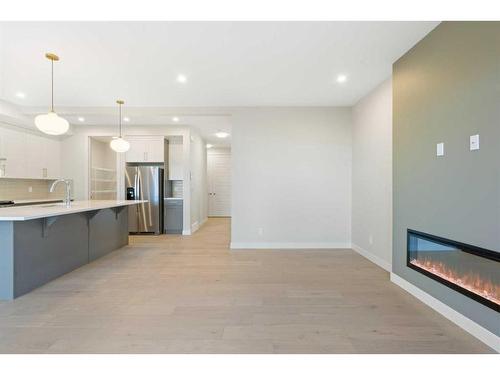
22, 213
36, 201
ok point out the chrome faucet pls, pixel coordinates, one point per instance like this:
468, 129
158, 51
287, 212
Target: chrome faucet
67, 200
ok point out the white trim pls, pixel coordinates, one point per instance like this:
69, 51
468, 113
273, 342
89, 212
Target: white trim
372, 257
481, 333
186, 232
289, 245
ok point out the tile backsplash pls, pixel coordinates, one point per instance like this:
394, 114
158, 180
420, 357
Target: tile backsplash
177, 188
17, 188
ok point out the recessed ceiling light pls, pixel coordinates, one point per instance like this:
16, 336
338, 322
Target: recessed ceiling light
341, 78
20, 95
181, 78
81, 119
175, 119
209, 145
222, 134
126, 119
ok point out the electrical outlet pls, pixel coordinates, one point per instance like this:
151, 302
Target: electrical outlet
260, 231
30, 189
370, 239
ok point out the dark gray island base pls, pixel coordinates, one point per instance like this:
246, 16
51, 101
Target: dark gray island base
36, 251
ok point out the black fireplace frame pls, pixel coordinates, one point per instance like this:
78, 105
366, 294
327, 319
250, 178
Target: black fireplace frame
474, 250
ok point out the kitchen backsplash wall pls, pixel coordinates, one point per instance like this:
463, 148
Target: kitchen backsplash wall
15, 188
177, 188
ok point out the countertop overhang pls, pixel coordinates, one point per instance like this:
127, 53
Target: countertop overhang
38, 211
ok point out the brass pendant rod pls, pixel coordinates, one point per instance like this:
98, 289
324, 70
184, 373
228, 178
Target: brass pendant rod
52, 86
120, 119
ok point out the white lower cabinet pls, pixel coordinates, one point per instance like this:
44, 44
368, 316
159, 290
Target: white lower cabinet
29, 156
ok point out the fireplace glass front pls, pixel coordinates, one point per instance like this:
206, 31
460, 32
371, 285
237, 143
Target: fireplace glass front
470, 270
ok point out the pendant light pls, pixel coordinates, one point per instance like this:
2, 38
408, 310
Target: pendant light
51, 123
118, 144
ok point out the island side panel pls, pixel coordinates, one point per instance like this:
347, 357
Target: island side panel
45, 252
108, 231
6, 260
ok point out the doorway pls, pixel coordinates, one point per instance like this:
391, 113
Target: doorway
219, 182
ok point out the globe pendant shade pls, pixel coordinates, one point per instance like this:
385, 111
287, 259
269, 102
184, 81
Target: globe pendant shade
119, 145
51, 124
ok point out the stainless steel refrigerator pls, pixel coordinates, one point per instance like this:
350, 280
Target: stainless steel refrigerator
145, 182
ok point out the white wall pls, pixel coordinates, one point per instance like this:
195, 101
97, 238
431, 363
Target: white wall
291, 177
199, 189
372, 175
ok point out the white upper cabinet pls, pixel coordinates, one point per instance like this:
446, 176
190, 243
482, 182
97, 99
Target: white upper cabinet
29, 156
52, 165
137, 151
145, 150
14, 151
155, 150
175, 161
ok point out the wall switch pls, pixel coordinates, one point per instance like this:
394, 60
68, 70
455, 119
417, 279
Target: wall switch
30, 189
474, 142
440, 149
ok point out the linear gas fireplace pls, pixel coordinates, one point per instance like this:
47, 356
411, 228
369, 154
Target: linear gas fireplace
470, 270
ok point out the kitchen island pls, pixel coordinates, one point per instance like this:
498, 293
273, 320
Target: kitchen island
39, 243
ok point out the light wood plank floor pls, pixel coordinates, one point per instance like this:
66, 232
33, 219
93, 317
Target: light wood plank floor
174, 294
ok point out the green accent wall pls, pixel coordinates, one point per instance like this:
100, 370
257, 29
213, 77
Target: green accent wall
445, 89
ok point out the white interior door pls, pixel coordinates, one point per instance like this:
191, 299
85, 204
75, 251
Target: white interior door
219, 183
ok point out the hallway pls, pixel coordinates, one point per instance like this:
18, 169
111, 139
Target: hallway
190, 294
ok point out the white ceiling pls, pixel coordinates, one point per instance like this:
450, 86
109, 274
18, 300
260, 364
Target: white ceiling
226, 64
206, 124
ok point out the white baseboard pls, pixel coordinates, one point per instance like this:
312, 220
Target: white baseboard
372, 257
289, 245
481, 333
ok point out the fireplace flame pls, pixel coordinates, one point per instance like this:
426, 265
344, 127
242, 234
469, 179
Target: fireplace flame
470, 281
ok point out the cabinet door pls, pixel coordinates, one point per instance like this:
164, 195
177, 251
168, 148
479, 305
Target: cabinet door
14, 150
154, 150
145, 149
137, 151
2, 142
36, 156
175, 162
52, 165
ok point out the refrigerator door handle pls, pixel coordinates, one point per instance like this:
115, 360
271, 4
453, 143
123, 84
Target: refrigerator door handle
136, 188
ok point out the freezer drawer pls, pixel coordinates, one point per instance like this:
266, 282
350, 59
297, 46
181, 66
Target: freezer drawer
173, 216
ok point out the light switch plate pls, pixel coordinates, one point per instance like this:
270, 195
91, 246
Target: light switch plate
474, 142
440, 149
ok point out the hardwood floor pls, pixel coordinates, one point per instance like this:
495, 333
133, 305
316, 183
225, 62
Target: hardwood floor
174, 294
